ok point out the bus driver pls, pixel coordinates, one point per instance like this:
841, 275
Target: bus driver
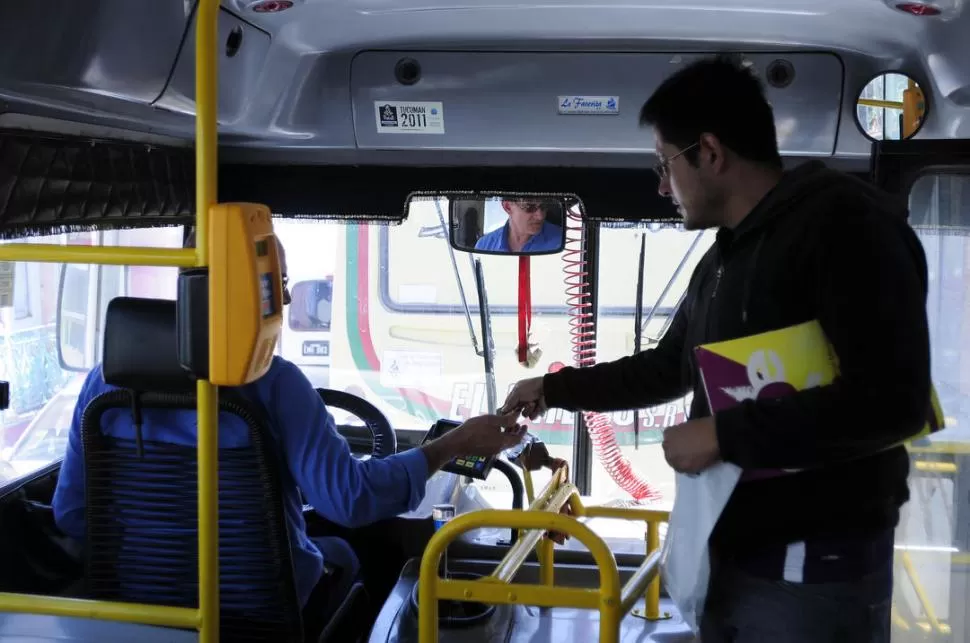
317, 457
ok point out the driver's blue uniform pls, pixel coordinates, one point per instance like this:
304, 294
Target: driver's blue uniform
341, 488
548, 238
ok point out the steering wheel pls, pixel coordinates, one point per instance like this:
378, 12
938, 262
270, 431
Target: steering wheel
382, 433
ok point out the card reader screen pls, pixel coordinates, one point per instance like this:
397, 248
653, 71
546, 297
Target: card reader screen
267, 295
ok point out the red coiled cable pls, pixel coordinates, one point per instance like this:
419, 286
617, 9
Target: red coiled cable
602, 434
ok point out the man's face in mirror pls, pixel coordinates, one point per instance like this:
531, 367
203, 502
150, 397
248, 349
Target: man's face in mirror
525, 216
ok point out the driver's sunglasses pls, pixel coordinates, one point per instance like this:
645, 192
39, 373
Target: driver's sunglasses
286, 291
663, 166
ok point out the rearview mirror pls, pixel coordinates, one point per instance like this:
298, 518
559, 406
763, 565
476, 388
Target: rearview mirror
82, 299
75, 342
505, 224
891, 107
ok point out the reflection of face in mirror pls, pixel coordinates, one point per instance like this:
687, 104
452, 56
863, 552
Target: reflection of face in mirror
891, 107
527, 228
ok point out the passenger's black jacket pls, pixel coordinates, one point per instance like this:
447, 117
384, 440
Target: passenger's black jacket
821, 245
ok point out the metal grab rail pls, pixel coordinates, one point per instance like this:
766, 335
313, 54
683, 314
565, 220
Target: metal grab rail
206, 618
606, 598
544, 516
653, 518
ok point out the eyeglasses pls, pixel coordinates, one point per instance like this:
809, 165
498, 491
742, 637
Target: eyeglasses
663, 166
530, 207
286, 291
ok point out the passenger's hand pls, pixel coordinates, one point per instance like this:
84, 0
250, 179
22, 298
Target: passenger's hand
692, 446
526, 398
487, 435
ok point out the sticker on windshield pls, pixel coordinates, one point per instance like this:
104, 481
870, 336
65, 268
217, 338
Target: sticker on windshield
409, 117
605, 105
410, 369
6, 283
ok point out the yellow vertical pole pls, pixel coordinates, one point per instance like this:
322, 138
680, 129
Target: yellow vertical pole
206, 149
652, 599
547, 569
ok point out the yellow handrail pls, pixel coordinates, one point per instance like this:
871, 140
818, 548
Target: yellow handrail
637, 585
543, 516
206, 618
653, 518
921, 596
875, 102
107, 255
206, 167
104, 610
606, 598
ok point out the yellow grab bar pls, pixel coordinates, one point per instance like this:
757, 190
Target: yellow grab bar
921, 596
930, 466
431, 588
875, 102
206, 618
108, 255
104, 610
206, 167
506, 569
637, 585
623, 513
653, 518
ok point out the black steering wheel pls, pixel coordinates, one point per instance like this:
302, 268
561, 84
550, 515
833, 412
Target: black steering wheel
382, 433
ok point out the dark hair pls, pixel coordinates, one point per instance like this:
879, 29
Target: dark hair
719, 96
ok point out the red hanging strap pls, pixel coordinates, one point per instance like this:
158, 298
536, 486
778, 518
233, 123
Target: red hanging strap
525, 307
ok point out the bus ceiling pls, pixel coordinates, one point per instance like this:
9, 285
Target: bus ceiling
453, 96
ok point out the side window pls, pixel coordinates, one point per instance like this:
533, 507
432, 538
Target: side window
940, 215
311, 305
73, 313
21, 294
47, 357
932, 534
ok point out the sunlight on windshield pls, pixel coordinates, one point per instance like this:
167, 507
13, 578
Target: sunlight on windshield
380, 312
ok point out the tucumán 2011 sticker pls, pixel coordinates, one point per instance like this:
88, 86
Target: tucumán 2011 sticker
606, 105
409, 117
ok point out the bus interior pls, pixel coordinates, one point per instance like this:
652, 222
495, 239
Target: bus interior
385, 139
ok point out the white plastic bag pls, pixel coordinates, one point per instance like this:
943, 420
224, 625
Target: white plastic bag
685, 561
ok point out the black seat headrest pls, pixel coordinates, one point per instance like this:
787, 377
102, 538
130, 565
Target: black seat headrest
141, 347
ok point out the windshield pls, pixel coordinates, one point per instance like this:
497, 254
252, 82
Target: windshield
378, 312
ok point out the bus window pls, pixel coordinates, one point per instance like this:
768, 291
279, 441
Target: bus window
932, 529
47, 355
940, 214
74, 306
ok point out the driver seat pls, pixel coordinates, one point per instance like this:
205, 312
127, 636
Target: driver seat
141, 503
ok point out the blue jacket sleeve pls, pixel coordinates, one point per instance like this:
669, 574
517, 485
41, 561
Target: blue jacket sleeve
340, 487
68, 501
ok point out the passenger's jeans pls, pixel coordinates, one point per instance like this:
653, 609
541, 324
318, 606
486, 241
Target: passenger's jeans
742, 608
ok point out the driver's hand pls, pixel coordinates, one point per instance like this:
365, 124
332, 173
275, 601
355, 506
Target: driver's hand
527, 398
555, 536
487, 435
536, 456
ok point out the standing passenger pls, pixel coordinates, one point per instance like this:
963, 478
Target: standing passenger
806, 556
